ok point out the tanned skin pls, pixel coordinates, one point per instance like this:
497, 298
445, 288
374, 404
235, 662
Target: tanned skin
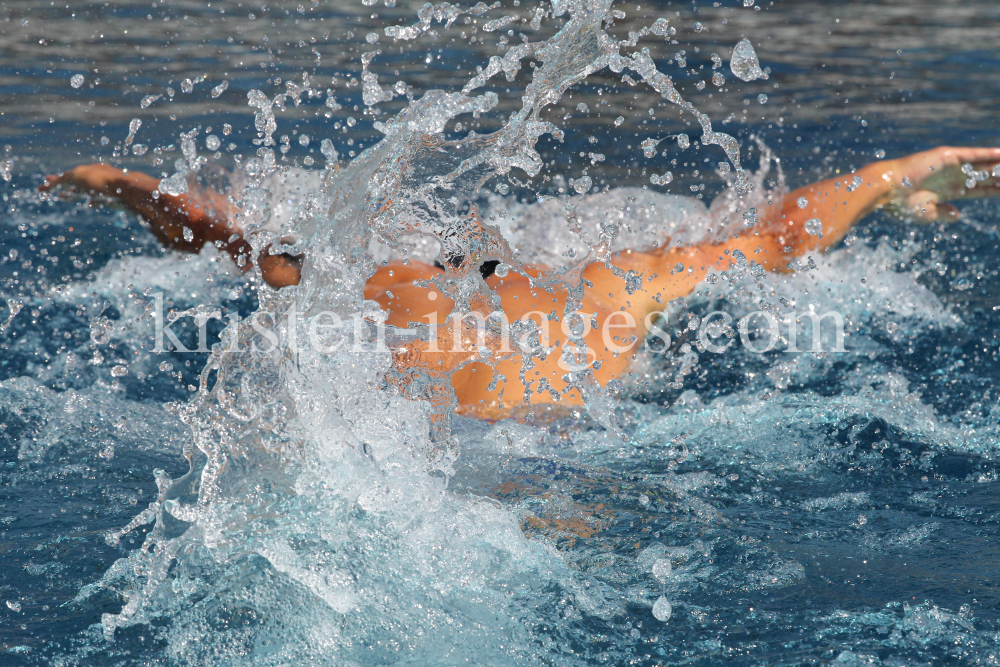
208, 215
917, 187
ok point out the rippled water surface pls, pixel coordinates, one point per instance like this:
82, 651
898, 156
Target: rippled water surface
840, 508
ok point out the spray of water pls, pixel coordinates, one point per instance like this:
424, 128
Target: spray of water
315, 523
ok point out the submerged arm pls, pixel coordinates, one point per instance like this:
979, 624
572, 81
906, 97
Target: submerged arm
183, 222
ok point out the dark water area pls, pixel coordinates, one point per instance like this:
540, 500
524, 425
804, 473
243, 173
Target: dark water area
816, 508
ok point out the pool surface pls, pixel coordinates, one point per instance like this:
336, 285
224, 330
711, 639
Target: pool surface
278, 508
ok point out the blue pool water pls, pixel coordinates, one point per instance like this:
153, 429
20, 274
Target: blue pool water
837, 508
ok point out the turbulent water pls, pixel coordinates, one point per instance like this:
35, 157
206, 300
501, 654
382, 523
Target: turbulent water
269, 503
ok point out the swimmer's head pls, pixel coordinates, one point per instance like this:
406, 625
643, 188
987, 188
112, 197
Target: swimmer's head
486, 269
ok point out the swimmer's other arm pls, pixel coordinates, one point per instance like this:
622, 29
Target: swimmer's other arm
915, 187
208, 216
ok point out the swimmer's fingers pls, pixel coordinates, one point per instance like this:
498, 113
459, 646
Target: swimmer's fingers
92, 179
925, 207
59, 186
947, 172
51, 182
951, 182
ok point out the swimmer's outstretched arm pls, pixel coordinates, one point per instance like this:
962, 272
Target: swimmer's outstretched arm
915, 187
208, 216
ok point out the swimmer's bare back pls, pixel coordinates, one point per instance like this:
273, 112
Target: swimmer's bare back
916, 187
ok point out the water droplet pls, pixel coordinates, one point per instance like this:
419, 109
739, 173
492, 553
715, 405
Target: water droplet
188, 234
662, 609
718, 79
502, 270
166, 366
814, 226
744, 63
76, 81
762, 98
187, 86
891, 327
351, 121
741, 259
175, 185
303, 140
649, 147
149, 99
621, 119
371, 37
802, 202
100, 330
644, 500
880, 154
698, 27
212, 142
582, 107
14, 605
582, 184
119, 371
659, 27
683, 141
221, 88
662, 569
328, 151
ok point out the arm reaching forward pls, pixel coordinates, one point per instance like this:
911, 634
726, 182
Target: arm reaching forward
915, 187
183, 222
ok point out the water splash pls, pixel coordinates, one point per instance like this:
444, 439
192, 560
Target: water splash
308, 470
744, 63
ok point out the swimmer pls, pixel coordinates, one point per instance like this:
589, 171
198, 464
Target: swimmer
916, 187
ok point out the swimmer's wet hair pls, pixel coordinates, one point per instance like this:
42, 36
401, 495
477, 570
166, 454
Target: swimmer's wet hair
486, 269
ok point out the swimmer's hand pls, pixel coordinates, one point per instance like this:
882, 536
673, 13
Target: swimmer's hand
90, 179
922, 183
